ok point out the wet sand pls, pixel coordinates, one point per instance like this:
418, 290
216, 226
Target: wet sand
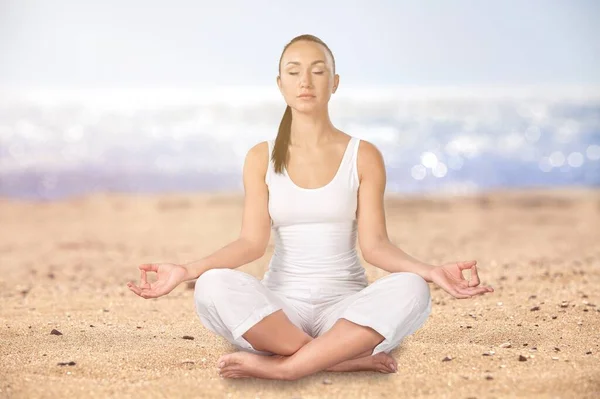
64, 266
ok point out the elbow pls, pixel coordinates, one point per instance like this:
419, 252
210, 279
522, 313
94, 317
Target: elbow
369, 252
253, 249
367, 256
260, 252
257, 251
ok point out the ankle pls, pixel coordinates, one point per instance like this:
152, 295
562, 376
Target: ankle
287, 373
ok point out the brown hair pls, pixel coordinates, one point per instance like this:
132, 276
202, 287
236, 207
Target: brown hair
280, 150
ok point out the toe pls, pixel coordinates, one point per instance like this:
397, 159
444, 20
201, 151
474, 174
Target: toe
391, 363
382, 367
386, 362
226, 374
226, 360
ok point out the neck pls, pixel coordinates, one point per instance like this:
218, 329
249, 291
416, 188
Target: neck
310, 130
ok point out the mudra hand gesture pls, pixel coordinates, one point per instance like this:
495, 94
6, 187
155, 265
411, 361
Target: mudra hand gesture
169, 276
450, 278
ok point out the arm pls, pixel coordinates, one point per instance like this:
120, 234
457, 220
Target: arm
375, 245
256, 222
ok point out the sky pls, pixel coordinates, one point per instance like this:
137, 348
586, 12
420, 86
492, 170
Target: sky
190, 43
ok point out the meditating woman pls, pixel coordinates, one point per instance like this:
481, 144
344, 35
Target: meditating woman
318, 189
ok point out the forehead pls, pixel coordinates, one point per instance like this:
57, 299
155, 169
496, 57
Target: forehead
305, 52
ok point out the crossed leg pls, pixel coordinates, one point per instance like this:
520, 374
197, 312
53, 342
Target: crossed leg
278, 335
223, 297
346, 342
341, 348
226, 301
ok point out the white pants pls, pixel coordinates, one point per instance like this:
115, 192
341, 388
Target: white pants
229, 302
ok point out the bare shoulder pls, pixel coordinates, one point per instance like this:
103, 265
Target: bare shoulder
368, 149
370, 160
257, 158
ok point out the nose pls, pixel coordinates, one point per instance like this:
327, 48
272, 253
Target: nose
305, 80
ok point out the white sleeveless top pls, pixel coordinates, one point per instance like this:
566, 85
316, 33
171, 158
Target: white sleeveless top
315, 230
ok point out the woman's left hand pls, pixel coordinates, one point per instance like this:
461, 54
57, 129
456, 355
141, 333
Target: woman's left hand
450, 278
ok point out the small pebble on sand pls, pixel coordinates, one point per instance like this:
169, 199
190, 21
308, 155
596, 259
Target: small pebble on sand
71, 363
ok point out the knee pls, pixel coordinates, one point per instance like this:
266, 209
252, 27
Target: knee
213, 276
210, 283
414, 286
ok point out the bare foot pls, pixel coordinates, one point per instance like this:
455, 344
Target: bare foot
245, 364
380, 362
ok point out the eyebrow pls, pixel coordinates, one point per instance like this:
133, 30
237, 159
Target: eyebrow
312, 63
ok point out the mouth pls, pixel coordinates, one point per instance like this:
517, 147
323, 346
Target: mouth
305, 96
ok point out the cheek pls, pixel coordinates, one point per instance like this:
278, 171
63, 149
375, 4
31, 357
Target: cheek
324, 88
289, 94
323, 84
288, 85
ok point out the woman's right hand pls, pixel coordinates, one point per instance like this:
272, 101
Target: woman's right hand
169, 276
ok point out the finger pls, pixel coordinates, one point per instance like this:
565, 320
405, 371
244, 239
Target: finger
149, 267
473, 290
151, 293
474, 280
461, 283
459, 295
134, 288
487, 288
466, 265
144, 293
144, 279
467, 290
147, 294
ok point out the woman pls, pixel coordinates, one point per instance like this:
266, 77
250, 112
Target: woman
314, 309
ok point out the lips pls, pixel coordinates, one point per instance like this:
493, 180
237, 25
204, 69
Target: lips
305, 95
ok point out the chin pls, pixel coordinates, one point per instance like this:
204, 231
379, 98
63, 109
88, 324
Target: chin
309, 108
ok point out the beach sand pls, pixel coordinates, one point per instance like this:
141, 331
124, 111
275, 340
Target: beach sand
64, 265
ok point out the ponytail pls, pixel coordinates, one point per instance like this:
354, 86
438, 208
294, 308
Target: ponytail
280, 151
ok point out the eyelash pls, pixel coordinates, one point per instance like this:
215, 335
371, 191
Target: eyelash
296, 73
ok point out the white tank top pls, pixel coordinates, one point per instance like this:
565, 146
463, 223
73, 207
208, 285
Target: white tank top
315, 230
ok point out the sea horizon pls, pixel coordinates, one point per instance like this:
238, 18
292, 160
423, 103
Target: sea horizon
56, 143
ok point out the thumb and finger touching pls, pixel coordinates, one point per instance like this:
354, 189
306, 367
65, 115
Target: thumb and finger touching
146, 289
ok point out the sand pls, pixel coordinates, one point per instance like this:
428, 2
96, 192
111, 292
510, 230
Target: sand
64, 266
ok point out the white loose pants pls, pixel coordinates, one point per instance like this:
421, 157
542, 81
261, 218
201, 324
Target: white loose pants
229, 302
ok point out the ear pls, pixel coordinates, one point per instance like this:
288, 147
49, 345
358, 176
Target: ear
336, 83
279, 83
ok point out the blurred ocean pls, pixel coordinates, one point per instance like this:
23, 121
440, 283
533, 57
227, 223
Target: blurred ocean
60, 143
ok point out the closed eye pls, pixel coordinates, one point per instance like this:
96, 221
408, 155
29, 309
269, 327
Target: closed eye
296, 73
